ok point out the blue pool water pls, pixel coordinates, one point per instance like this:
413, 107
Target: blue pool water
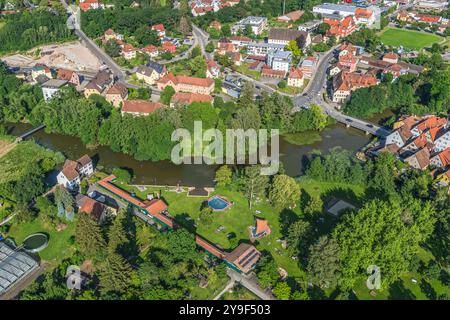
217, 203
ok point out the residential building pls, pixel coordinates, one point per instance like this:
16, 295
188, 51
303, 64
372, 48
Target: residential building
340, 27
186, 84
129, 51
240, 41
215, 25
390, 57
345, 82
295, 78
420, 159
364, 16
111, 35
307, 66
70, 76
279, 60
413, 135
262, 48
99, 84
41, 70
186, 98
51, 87
212, 69
290, 16
244, 257
140, 107
441, 159
150, 50
86, 5
160, 29
169, 47
225, 46
309, 26
284, 35
73, 171
231, 89
97, 210
270, 73
257, 25
147, 74
260, 230
116, 94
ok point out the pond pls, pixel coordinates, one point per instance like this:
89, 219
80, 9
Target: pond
35, 242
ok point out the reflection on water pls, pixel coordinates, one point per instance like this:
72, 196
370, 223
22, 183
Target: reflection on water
165, 172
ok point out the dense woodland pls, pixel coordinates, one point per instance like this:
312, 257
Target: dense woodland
26, 30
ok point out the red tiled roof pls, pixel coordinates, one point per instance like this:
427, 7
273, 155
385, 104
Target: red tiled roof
209, 247
106, 183
159, 27
140, 106
64, 74
262, 225
188, 98
363, 13
128, 48
445, 157
92, 207
200, 82
119, 89
295, 73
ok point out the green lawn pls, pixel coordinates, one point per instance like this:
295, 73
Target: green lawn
239, 217
405, 289
244, 69
408, 38
60, 244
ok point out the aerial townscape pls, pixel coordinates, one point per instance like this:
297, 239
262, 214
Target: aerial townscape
93, 94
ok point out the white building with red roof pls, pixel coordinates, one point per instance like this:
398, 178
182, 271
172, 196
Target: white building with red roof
295, 78
160, 29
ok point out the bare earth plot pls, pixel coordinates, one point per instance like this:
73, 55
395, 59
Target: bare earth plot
72, 55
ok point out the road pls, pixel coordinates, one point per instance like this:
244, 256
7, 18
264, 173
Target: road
250, 282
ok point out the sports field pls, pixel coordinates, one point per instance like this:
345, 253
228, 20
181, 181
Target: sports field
408, 38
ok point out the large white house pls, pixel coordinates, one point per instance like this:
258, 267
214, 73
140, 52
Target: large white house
51, 87
279, 60
73, 171
257, 24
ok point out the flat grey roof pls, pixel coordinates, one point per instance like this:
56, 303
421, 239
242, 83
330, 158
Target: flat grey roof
14, 265
337, 7
54, 83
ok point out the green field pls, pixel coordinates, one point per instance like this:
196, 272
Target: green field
408, 38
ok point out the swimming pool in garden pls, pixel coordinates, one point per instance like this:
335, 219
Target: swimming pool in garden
218, 203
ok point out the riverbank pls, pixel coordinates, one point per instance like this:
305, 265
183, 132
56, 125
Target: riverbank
165, 172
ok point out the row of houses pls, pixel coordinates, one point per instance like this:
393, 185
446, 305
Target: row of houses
128, 51
432, 20
421, 142
350, 58
202, 7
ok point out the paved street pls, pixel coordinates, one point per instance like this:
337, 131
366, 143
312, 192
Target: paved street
250, 282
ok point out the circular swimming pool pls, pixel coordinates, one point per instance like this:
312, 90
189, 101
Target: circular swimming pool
218, 203
35, 242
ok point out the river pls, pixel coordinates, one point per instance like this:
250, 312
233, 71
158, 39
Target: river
166, 173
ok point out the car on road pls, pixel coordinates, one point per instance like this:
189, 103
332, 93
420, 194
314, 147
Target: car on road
369, 125
349, 120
